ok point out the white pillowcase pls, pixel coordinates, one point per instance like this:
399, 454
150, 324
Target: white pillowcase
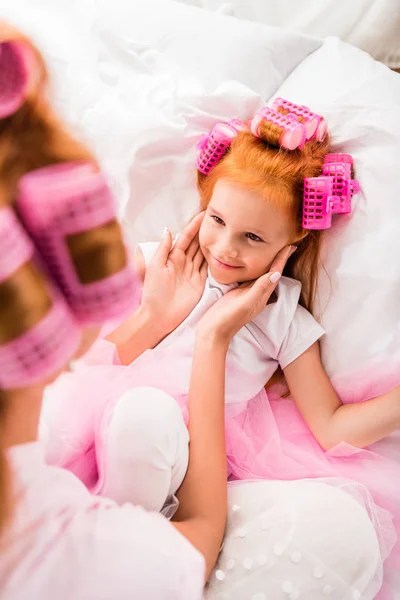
201, 68
372, 25
360, 292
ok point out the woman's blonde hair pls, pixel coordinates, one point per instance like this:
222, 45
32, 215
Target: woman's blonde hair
31, 138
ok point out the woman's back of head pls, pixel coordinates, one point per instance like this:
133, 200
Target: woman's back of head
33, 138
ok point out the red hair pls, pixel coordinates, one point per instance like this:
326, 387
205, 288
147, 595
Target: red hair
278, 176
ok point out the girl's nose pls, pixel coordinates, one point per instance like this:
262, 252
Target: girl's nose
227, 247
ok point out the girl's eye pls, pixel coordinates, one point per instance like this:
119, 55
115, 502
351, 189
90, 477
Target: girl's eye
253, 237
218, 220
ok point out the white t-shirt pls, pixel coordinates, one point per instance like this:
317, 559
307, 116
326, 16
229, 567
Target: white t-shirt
276, 337
66, 544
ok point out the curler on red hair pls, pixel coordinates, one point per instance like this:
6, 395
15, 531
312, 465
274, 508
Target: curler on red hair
329, 194
214, 145
293, 133
302, 114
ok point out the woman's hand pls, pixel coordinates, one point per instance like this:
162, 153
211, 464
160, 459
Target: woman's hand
175, 277
239, 306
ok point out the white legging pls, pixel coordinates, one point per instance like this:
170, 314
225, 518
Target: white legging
146, 451
284, 540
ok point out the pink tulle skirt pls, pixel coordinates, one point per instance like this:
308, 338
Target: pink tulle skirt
266, 438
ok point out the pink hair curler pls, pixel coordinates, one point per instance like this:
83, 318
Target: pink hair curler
330, 193
294, 133
57, 202
44, 349
238, 125
339, 166
322, 130
318, 200
13, 77
302, 114
214, 145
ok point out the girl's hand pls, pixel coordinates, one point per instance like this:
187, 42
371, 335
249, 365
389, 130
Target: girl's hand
175, 277
239, 306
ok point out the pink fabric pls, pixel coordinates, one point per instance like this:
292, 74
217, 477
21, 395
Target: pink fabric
45, 348
59, 201
269, 439
66, 543
266, 437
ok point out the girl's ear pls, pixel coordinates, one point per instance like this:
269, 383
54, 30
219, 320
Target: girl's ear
300, 237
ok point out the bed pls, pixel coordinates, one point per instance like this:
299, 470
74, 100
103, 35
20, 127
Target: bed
141, 80
372, 25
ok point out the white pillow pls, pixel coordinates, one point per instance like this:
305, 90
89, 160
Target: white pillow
359, 295
202, 68
372, 25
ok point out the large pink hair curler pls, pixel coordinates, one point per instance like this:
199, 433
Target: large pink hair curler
46, 347
293, 134
58, 202
13, 77
330, 193
318, 200
214, 145
339, 167
303, 114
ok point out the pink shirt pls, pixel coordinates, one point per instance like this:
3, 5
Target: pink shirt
65, 543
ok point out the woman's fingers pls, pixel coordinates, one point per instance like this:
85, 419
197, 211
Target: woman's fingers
198, 260
279, 262
261, 289
164, 248
204, 269
193, 248
187, 235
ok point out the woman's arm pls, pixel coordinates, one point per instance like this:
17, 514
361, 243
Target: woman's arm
138, 333
128, 328
331, 421
202, 512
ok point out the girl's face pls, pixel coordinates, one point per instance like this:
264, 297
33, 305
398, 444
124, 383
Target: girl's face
241, 234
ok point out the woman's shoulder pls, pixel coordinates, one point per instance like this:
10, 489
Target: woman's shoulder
120, 548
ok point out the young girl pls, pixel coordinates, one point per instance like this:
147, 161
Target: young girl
253, 191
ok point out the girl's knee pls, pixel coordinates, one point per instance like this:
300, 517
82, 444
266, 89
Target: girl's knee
146, 416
